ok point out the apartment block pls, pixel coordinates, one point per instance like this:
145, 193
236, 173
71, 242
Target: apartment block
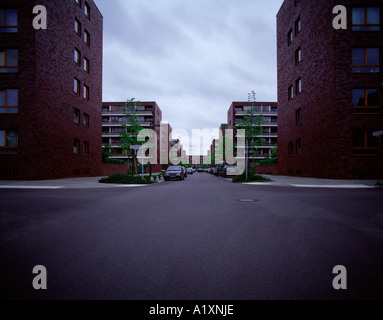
330, 89
269, 111
149, 115
50, 90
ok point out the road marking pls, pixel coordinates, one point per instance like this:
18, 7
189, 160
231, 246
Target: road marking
30, 187
340, 186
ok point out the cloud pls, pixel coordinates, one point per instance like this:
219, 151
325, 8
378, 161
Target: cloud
192, 57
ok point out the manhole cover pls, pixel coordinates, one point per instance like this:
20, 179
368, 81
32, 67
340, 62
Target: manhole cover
247, 200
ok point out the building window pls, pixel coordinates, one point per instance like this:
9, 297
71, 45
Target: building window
86, 148
366, 19
86, 65
86, 120
298, 86
364, 142
9, 101
290, 37
299, 146
291, 148
77, 27
78, 2
298, 25
366, 100
76, 146
87, 37
76, 116
291, 92
87, 10
9, 141
86, 93
77, 56
77, 86
298, 116
8, 20
298, 56
366, 60
9, 61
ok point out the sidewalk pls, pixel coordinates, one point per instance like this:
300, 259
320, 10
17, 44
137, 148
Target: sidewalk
92, 183
74, 183
300, 182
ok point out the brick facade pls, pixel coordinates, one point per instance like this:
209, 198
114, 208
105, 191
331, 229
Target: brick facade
113, 116
317, 125
45, 82
269, 111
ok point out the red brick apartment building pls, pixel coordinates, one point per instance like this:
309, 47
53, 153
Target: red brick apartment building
50, 90
114, 116
269, 111
330, 89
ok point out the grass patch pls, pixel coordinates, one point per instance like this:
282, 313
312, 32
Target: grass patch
252, 178
126, 179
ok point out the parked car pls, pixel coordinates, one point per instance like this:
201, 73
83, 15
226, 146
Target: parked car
227, 171
185, 171
189, 171
174, 172
201, 170
219, 169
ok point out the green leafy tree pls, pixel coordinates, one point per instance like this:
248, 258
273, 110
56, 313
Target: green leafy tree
274, 153
106, 152
252, 124
128, 136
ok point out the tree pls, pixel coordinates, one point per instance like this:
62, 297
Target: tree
252, 124
106, 152
128, 137
274, 153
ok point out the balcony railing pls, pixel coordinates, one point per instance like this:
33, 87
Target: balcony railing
138, 113
113, 123
265, 113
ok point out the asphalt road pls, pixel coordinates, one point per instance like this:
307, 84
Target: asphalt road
192, 240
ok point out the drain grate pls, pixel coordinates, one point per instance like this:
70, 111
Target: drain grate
248, 200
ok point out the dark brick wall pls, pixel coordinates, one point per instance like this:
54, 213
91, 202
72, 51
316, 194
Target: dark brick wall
326, 97
109, 169
46, 97
270, 169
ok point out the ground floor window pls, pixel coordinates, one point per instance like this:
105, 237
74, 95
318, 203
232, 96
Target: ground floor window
364, 142
9, 141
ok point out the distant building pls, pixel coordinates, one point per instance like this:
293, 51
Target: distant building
269, 111
50, 90
149, 115
330, 90
196, 161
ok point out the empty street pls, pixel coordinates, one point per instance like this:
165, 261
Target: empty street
202, 238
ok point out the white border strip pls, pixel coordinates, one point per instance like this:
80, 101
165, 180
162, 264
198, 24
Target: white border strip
31, 187
340, 186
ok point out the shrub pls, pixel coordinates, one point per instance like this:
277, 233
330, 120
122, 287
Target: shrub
124, 179
114, 161
267, 162
251, 178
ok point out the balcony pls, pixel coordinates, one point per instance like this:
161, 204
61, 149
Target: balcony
117, 123
123, 113
257, 113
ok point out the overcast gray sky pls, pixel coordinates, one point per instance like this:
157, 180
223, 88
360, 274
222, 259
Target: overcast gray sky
194, 58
